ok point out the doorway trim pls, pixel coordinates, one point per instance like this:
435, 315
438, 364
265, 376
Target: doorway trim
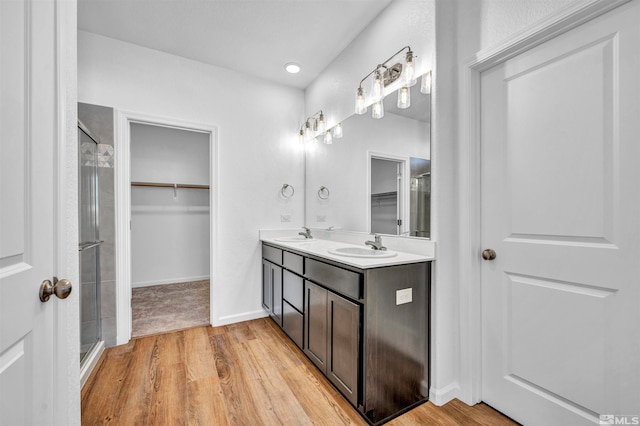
122, 148
404, 199
562, 21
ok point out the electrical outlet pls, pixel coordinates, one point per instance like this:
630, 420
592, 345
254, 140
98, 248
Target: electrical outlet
285, 218
321, 218
404, 296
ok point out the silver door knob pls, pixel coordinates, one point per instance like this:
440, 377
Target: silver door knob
62, 289
488, 254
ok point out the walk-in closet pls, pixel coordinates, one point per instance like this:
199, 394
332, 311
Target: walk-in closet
170, 221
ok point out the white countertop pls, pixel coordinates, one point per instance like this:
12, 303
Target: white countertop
321, 248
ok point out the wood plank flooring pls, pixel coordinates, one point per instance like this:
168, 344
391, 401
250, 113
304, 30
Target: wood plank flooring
248, 373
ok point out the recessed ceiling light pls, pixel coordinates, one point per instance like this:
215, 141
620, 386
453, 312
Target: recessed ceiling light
292, 67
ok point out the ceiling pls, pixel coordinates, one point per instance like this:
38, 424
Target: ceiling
255, 37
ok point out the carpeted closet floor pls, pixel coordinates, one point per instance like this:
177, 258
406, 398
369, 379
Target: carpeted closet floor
169, 307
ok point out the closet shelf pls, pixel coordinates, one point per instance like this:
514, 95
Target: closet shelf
169, 185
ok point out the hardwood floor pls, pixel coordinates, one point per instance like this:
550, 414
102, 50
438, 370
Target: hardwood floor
248, 373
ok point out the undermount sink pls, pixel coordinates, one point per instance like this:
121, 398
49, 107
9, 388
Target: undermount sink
295, 239
362, 252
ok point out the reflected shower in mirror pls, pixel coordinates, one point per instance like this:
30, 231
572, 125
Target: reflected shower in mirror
379, 172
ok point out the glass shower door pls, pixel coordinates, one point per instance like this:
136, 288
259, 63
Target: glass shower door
89, 247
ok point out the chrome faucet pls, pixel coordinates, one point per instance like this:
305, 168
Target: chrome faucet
306, 233
377, 244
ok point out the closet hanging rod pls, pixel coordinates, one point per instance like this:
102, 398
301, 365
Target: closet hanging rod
169, 185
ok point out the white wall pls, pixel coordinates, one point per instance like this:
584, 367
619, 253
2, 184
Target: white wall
169, 231
257, 152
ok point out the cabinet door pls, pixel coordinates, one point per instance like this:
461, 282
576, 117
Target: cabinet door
342, 344
276, 291
315, 324
266, 285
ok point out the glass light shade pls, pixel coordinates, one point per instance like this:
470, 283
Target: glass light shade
307, 131
409, 77
301, 136
328, 138
361, 107
377, 109
425, 87
404, 97
337, 131
376, 88
321, 124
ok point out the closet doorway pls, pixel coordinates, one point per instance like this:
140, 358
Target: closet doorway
170, 175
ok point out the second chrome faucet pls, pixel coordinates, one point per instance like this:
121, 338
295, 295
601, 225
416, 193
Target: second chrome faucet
376, 244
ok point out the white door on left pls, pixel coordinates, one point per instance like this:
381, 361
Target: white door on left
28, 141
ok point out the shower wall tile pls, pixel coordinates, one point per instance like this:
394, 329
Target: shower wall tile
108, 299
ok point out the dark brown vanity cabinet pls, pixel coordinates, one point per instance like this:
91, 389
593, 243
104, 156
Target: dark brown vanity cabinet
366, 329
272, 282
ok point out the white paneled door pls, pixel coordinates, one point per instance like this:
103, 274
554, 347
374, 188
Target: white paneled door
28, 135
560, 161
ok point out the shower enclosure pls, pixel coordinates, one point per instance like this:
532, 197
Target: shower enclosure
89, 247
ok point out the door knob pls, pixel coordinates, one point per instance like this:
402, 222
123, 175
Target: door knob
62, 289
488, 254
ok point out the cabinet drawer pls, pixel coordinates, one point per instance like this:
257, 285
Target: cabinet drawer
292, 323
272, 254
293, 289
293, 262
340, 280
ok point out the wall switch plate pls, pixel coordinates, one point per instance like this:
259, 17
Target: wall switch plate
321, 218
404, 296
285, 218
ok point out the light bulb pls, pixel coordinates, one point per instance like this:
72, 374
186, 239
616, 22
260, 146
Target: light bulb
361, 107
425, 87
377, 109
404, 97
328, 139
376, 88
301, 136
321, 123
307, 131
409, 70
337, 131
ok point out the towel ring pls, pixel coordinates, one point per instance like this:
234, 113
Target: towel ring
287, 191
323, 193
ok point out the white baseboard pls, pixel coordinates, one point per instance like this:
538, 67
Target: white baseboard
442, 396
169, 281
245, 316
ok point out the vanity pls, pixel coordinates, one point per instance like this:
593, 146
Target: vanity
363, 321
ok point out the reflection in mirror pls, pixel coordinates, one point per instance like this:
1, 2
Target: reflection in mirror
363, 167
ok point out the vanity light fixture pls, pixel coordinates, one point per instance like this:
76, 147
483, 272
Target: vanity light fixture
409, 70
328, 137
383, 76
404, 97
425, 87
315, 126
337, 131
361, 107
377, 109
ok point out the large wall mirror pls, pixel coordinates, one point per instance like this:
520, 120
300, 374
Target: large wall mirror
377, 177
